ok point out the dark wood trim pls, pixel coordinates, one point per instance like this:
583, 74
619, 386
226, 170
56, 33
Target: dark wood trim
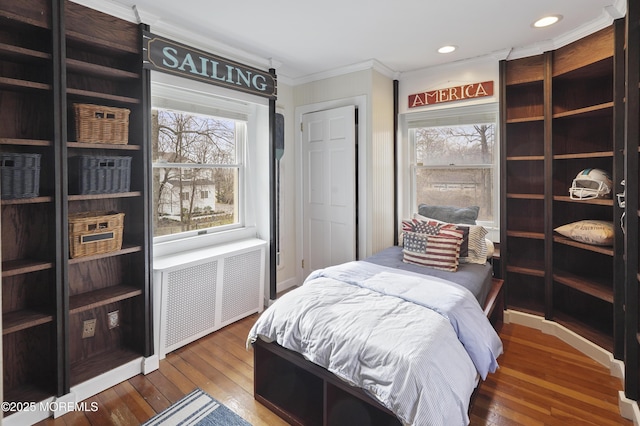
632, 132
548, 183
147, 204
618, 175
61, 192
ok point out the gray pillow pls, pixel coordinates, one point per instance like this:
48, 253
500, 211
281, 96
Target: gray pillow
450, 214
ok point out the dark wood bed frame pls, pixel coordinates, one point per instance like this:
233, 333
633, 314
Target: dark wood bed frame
303, 393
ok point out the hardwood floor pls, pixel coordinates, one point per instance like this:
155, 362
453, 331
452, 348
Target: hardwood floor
541, 381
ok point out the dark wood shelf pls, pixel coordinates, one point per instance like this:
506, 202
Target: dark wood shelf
87, 94
525, 234
26, 393
123, 147
101, 363
75, 65
104, 196
104, 296
13, 83
594, 201
526, 196
12, 268
525, 119
578, 86
526, 158
23, 53
606, 250
585, 285
14, 18
600, 338
531, 271
34, 200
582, 155
21, 320
25, 142
126, 249
590, 111
95, 43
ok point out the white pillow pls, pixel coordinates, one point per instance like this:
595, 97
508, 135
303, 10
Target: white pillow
597, 232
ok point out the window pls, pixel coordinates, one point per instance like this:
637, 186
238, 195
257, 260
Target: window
195, 155
454, 160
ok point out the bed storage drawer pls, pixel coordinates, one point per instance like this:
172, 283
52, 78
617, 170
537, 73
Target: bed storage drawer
303, 393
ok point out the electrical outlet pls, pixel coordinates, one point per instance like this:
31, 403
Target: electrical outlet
89, 328
114, 319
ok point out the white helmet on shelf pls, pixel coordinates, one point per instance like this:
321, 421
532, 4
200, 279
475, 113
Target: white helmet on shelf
591, 183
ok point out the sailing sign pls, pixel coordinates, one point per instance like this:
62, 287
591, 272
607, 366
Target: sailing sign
168, 56
449, 94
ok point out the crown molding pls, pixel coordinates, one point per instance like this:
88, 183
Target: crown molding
371, 64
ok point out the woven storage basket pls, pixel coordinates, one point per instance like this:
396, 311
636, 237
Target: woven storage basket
101, 124
20, 175
99, 174
95, 232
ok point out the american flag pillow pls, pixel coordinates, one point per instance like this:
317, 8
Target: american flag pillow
440, 251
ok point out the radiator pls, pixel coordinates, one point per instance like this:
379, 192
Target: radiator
200, 291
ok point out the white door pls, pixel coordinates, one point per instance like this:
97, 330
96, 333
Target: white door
329, 187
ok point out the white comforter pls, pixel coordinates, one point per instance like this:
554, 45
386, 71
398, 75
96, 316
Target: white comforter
415, 343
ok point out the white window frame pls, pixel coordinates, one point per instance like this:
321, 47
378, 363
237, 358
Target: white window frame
452, 116
173, 93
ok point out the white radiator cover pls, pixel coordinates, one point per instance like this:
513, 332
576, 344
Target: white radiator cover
200, 291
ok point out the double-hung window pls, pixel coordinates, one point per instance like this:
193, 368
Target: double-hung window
454, 160
195, 154
199, 144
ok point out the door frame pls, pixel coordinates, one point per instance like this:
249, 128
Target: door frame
360, 102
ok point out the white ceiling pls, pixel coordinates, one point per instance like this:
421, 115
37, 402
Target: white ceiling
301, 39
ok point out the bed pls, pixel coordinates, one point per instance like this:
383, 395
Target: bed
379, 342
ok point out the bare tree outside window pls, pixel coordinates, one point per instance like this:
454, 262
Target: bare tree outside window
455, 166
193, 155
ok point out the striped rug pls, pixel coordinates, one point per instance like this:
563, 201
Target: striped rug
197, 408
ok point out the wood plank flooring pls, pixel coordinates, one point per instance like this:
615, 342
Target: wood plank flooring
541, 381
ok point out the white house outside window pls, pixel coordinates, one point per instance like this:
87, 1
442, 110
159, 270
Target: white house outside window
195, 155
454, 160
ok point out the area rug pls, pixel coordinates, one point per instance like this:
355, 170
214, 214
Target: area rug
197, 408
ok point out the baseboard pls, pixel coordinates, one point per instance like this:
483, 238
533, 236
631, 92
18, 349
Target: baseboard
585, 346
628, 407
286, 285
34, 414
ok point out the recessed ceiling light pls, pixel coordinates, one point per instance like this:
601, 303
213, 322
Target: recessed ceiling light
447, 49
547, 20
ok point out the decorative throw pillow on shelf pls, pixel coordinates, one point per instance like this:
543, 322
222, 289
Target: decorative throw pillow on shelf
596, 232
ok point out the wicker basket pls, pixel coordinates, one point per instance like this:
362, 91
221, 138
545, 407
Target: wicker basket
20, 175
101, 124
95, 232
99, 174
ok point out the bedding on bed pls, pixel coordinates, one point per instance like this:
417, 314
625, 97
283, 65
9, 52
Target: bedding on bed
416, 344
474, 277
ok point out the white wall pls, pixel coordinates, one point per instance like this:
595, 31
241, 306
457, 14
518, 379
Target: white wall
372, 92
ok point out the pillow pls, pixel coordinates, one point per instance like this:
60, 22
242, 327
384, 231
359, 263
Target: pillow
434, 251
474, 247
450, 214
422, 226
597, 232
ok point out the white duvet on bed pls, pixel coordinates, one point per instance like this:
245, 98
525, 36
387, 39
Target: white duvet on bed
404, 338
